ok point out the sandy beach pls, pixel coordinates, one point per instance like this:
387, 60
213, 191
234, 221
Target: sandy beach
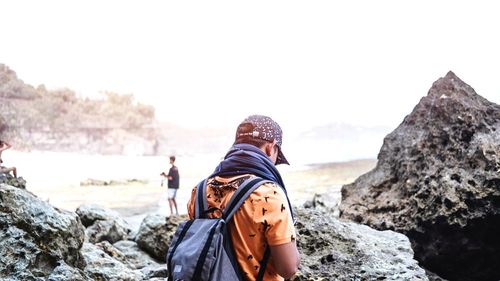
57, 177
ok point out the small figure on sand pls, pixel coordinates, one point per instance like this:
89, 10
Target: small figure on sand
4, 146
173, 185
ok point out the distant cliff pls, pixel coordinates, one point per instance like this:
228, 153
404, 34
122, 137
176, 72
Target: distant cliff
60, 120
37, 118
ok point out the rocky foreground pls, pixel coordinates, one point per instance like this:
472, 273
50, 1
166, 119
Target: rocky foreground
437, 180
40, 242
436, 185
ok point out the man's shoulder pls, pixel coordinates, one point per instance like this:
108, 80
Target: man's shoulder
268, 190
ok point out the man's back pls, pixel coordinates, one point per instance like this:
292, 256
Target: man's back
173, 177
263, 219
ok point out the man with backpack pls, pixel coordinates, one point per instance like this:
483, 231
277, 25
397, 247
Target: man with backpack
248, 193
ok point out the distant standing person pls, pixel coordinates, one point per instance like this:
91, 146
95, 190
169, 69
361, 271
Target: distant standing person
6, 170
173, 185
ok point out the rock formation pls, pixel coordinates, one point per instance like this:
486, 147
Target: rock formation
37, 239
437, 180
332, 249
102, 224
154, 235
40, 242
12, 181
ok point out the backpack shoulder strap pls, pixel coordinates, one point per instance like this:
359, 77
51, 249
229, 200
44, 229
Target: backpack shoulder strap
200, 204
240, 195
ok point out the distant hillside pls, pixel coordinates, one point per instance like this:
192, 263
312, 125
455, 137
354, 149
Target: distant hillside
59, 120
34, 118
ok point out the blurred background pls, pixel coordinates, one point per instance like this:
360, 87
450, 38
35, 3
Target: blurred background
108, 90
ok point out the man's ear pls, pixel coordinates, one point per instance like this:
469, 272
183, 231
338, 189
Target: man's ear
269, 148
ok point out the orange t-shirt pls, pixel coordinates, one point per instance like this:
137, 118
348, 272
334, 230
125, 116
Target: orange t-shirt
263, 219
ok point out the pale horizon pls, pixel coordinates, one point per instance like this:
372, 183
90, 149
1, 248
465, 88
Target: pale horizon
208, 65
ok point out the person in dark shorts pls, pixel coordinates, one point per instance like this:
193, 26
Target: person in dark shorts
173, 185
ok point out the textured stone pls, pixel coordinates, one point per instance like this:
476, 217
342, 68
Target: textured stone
155, 234
110, 231
90, 213
136, 259
36, 238
332, 249
101, 266
437, 180
8, 179
64, 272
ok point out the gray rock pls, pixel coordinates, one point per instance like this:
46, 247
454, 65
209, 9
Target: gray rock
153, 272
131, 257
110, 231
332, 249
64, 272
326, 202
101, 266
437, 180
90, 213
136, 259
113, 252
155, 233
8, 179
36, 238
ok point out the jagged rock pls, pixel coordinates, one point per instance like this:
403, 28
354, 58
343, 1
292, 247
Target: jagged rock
153, 272
103, 224
64, 272
332, 249
136, 259
154, 234
12, 181
133, 258
325, 202
438, 181
36, 238
107, 230
101, 266
112, 251
90, 213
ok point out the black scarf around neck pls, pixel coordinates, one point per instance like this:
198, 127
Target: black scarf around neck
249, 159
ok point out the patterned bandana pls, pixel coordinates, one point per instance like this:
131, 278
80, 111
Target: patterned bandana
265, 128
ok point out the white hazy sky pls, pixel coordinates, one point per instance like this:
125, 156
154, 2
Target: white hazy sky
211, 63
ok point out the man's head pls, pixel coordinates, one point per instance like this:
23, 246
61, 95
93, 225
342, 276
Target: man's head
260, 131
172, 159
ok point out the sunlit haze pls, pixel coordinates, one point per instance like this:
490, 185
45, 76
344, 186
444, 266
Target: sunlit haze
338, 76
210, 64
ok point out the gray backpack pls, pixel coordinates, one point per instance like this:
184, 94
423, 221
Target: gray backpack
201, 248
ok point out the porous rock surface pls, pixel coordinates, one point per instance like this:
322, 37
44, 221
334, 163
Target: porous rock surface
39, 242
437, 180
36, 239
332, 249
155, 234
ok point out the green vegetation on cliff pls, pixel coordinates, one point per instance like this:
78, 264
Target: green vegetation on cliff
37, 118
